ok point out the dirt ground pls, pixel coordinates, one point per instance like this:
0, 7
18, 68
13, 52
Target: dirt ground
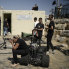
57, 61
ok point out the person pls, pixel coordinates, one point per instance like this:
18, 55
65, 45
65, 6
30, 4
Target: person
35, 22
35, 7
34, 31
40, 27
6, 26
19, 47
50, 34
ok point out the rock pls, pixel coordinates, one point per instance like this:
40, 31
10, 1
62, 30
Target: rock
67, 42
60, 39
67, 27
65, 33
57, 32
61, 21
60, 26
57, 37
64, 45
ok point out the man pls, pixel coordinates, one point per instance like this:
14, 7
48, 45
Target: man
6, 26
18, 47
35, 22
50, 34
34, 31
40, 27
35, 7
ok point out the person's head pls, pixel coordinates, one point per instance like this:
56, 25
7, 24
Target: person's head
35, 5
40, 20
15, 38
35, 19
51, 17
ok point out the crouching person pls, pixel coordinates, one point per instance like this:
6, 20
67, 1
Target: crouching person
19, 47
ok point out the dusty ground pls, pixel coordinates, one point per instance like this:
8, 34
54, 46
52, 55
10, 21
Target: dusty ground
57, 61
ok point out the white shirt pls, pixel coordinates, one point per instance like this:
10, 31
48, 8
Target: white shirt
35, 23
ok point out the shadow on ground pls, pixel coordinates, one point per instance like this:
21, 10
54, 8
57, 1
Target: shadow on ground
59, 48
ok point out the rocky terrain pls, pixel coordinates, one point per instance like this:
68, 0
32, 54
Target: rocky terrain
59, 60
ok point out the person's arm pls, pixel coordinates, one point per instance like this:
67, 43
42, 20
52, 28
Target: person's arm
40, 29
52, 26
14, 46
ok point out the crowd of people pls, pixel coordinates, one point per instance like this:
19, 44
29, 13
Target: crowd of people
38, 30
19, 46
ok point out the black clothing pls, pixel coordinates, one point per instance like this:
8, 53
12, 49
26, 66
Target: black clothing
35, 39
39, 26
35, 8
49, 43
5, 24
49, 36
22, 44
50, 31
21, 50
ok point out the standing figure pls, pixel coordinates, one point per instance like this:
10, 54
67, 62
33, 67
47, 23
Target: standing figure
35, 22
34, 31
40, 27
50, 34
6, 26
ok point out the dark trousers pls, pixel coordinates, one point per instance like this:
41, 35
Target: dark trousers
49, 43
35, 39
18, 52
38, 39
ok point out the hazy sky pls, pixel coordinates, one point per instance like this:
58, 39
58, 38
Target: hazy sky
45, 5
